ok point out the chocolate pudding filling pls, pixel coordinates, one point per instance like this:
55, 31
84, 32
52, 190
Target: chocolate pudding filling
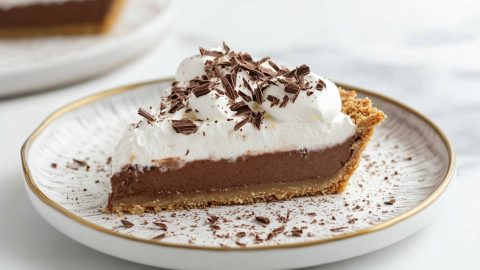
226, 175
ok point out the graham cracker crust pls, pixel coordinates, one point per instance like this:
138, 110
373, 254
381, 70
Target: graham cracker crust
71, 29
362, 113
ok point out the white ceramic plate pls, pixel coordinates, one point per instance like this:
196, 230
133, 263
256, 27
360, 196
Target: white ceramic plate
396, 191
31, 64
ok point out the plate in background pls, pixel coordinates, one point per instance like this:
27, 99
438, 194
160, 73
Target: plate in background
396, 191
32, 64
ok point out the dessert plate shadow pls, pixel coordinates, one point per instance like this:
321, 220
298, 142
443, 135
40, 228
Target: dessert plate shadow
397, 190
54, 61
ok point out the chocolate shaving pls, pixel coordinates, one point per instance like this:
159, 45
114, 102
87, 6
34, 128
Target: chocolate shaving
203, 89
146, 115
176, 107
215, 227
263, 220
126, 223
240, 243
263, 60
294, 98
276, 232
303, 70
267, 72
244, 96
240, 107
241, 234
258, 95
298, 72
234, 71
282, 81
292, 88
284, 101
241, 123
338, 229
159, 237
273, 65
297, 232
320, 85
212, 219
390, 202
247, 85
161, 225
227, 83
246, 57
257, 119
184, 126
162, 106
225, 47
273, 100
81, 163
210, 53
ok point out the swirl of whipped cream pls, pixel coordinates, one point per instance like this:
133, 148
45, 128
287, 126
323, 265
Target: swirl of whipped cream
310, 105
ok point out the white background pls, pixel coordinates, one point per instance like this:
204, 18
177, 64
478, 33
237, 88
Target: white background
424, 53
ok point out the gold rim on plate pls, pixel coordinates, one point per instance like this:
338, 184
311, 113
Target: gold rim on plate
104, 94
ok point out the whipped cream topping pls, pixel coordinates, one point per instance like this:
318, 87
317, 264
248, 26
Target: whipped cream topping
8, 4
224, 105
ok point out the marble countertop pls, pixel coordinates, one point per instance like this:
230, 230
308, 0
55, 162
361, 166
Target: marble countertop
427, 58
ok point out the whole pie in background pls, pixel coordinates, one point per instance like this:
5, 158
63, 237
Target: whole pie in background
21, 18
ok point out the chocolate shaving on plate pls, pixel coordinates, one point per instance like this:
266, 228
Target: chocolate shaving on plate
390, 202
263, 220
159, 237
297, 232
161, 225
338, 229
81, 163
241, 234
212, 219
126, 223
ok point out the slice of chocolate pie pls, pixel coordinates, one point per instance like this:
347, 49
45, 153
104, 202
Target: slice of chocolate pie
234, 130
20, 18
